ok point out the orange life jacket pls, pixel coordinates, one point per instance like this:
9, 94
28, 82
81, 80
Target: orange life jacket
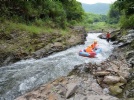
94, 45
89, 49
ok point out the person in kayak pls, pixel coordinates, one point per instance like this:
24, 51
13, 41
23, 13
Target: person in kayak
94, 45
89, 49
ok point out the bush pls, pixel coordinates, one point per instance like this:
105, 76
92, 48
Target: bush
127, 22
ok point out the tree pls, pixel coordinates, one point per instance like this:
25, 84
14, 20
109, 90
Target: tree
113, 15
126, 8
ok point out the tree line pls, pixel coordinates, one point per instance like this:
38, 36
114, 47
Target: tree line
122, 12
58, 11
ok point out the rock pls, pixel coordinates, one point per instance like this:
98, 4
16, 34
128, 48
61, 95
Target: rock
70, 98
129, 54
101, 73
96, 88
105, 91
119, 84
111, 79
115, 90
52, 97
79, 97
131, 62
71, 88
123, 80
57, 44
102, 36
39, 53
124, 74
101, 97
109, 69
114, 67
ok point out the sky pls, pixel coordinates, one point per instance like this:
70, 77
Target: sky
95, 1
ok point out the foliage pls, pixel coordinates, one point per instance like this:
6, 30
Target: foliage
113, 15
126, 9
96, 22
127, 22
27, 11
91, 18
126, 6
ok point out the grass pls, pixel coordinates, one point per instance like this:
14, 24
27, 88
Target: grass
28, 38
98, 26
33, 30
27, 28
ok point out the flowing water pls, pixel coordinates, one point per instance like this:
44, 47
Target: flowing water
20, 77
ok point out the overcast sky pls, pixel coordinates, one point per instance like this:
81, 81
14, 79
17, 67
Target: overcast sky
96, 1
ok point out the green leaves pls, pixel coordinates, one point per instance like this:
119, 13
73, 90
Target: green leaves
126, 8
58, 11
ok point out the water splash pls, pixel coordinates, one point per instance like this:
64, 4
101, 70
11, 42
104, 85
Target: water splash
25, 75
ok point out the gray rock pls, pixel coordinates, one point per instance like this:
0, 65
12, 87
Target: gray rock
101, 73
101, 97
111, 79
80, 97
96, 88
71, 88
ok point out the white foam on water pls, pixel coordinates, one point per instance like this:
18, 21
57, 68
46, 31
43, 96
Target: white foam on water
27, 74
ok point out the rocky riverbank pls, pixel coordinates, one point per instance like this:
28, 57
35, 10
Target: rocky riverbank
19, 45
86, 82
110, 80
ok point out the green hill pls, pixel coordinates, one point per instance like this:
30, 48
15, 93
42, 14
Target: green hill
98, 8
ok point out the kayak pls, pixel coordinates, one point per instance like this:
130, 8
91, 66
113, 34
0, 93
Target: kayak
91, 54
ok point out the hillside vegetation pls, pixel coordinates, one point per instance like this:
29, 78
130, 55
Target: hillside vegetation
29, 25
98, 8
58, 11
122, 12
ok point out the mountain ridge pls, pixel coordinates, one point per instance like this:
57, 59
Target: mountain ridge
97, 8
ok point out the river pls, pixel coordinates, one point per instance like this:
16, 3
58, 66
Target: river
23, 76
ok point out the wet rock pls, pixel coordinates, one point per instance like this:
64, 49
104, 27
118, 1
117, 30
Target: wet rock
129, 54
102, 36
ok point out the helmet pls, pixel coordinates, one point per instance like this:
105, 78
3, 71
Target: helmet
95, 41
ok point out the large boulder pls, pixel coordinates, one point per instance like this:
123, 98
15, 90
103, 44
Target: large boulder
111, 79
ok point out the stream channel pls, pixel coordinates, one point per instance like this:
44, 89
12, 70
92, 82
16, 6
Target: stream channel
25, 75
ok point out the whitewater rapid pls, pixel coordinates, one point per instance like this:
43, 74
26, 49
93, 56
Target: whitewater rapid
20, 77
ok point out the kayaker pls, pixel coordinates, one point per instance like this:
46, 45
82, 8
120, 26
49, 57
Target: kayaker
94, 45
108, 36
89, 49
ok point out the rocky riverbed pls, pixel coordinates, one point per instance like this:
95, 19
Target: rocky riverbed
110, 80
22, 46
86, 82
